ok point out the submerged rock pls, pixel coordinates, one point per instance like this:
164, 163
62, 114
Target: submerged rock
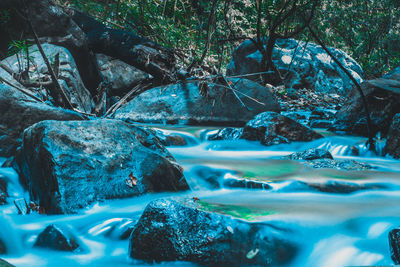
57, 238
18, 112
169, 230
311, 154
348, 165
302, 64
70, 165
200, 103
394, 244
171, 138
272, 128
383, 97
393, 138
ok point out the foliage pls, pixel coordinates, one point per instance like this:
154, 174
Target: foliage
369, 30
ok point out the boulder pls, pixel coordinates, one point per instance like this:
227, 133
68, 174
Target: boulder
170, 230
53, 25
304, 65
18, 112
57, 238
383, 98
121, 76
68, 75
392, 146
311, 154
272, 128
225, 134
200, 103
394, 244
70, 165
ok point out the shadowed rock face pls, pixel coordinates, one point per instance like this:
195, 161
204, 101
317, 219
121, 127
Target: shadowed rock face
272, 128
169, 230
304, 65
393, 139
70, 165
18, 112
383, 98
68, 75
205, 104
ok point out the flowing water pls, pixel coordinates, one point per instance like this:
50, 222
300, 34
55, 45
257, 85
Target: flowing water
333, 229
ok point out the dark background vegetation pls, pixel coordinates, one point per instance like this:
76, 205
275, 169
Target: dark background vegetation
368, 30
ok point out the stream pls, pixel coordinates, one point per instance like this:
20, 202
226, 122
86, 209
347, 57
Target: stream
334, 229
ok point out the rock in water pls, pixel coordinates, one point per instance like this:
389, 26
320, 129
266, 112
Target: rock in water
383, 97
304, 65
200, 103
18, 112
169, 230
272, 128
70, 165
393, 138
57, 238
311, 154
394, 243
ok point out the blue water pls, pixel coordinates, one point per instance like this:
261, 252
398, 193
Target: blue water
331, 229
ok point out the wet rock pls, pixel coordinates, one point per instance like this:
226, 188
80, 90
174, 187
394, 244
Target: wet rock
207, 177
170, 230
348, 165
245, 183
383, 97
304, 65
18, 112
3, 249
225, 134
57, 238
68, 75
121, 76
199, 103
339, 187
272, 128
171, 138
3, 190
116, 228
394, 243
323, 124
3, 263
311, 154
70, 165
393, 138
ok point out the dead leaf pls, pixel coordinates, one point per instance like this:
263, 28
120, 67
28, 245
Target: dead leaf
132, 181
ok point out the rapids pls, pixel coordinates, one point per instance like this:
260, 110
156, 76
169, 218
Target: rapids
332, 229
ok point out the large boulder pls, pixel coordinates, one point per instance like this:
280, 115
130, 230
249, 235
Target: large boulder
383, 98
70, 165
200, 103
18, 112
68, 75
172, 230
121, 76
271, 128
304, 65
393, 139
53, 25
